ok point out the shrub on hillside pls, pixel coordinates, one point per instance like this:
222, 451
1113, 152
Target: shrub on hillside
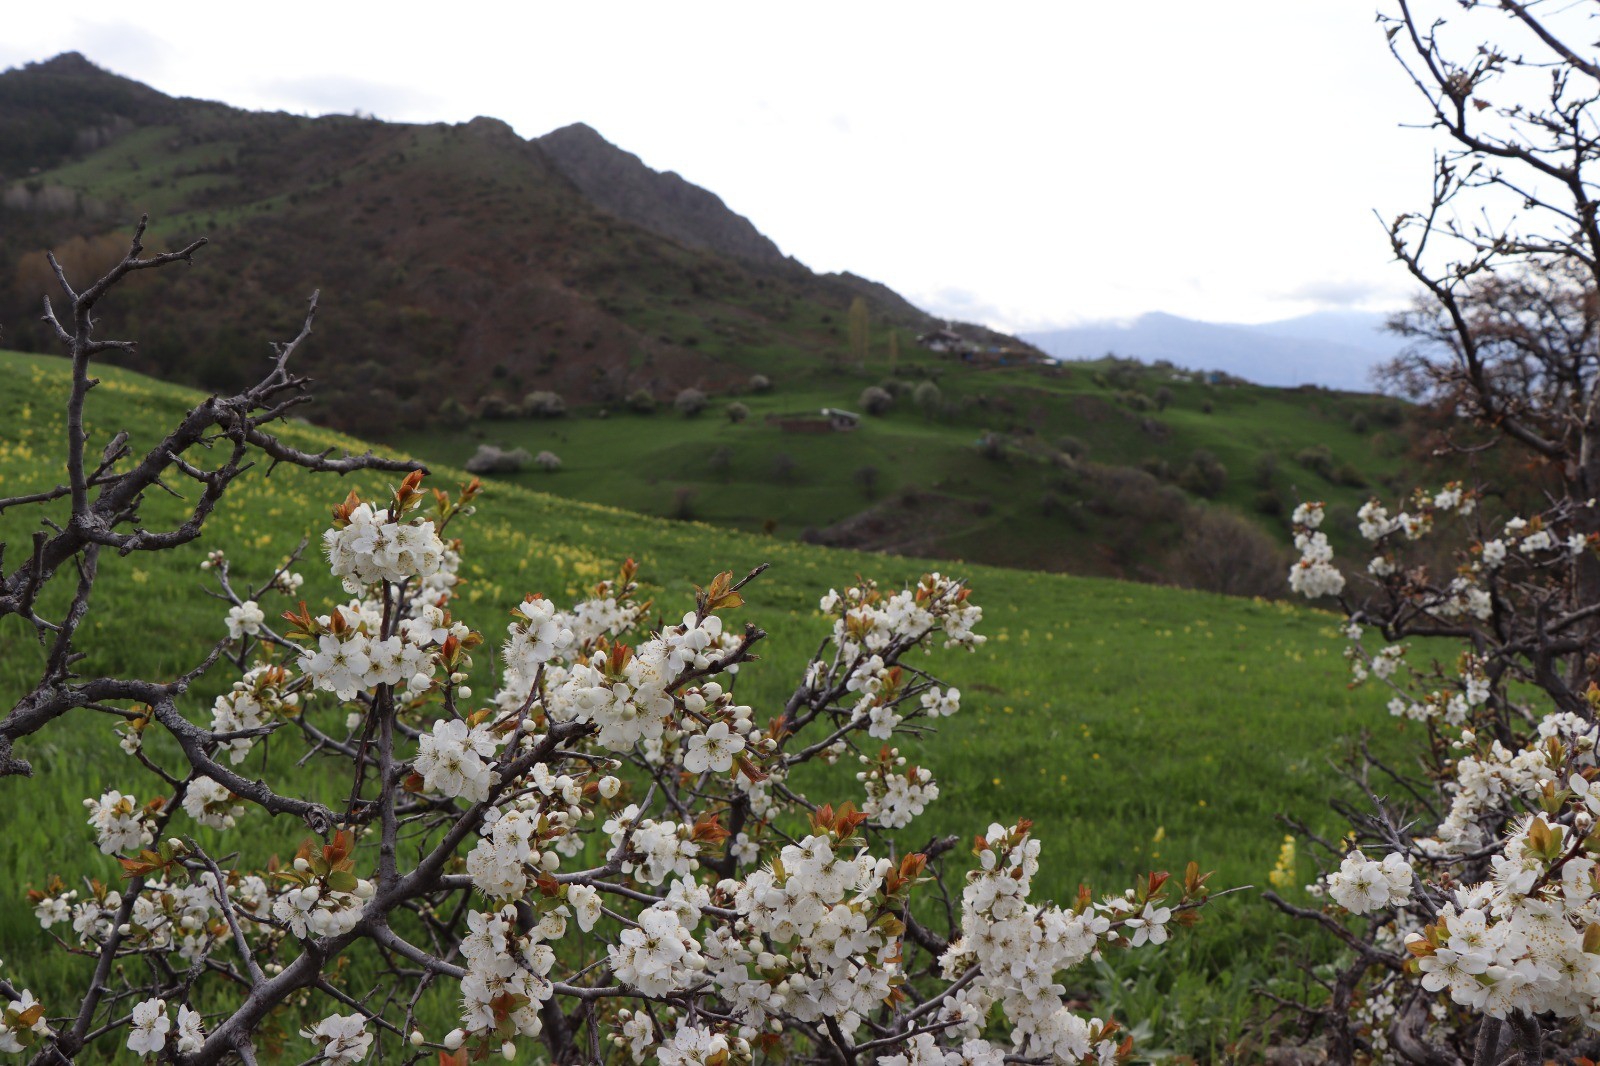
928, 398
760, 383
1154, 428
875, 400
498, 409
1220, 551
1156, 467
1349, 475
1128, 493
1318, 459
1073, 446
641, 401
1266, 469
683, 503
1135, 401
1204, 475
543, 404
1124, 375
737, 412
689, 402
489, 459
549, 462
453, 414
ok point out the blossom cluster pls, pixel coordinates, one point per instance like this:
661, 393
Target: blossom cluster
507, 966
1021, 946
353, 656
1363, 884
1314, 574
259, 697
895, 796
120, 823
367, 546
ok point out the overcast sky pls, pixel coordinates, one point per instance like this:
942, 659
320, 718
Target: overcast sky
1024, 164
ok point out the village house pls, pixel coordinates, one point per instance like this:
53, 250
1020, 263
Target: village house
945, 339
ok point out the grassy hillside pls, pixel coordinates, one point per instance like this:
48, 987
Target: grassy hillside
1138, 726
1084, 469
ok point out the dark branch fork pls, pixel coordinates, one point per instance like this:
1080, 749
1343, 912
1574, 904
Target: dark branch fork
105, 504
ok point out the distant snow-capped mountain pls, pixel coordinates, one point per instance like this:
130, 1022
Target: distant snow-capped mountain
1336, 349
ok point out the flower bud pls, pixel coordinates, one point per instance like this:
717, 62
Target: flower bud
609, 787
466, 693
508, 1051
454, 1039
416, 1038
302, 865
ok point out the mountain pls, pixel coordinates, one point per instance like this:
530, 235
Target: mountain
619, 182
1337, 350
460, 265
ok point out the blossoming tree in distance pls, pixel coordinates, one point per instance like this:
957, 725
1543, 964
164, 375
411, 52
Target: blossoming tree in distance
1468, 896
604, 852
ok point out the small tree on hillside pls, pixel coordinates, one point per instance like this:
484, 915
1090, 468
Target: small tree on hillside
859, 326
867, 477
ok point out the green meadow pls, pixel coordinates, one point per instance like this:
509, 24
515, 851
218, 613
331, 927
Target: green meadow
1083, 474
1138, 726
